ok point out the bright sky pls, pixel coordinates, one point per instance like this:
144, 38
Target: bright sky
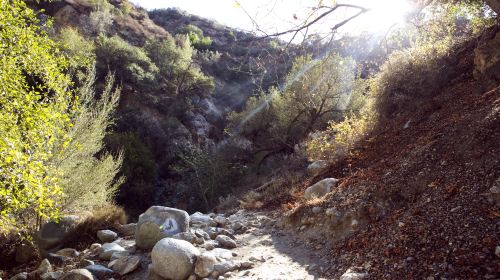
278, 15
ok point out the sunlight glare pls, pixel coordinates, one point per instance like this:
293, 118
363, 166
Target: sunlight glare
383, 15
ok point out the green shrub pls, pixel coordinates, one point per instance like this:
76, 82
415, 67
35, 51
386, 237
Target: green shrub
178, 74
128, 62
87, 172
34, 108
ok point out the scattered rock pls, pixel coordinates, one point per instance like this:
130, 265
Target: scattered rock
186, 236
106, 235
224, 267
99, 271
118, 255
225, 241
20, 276
351, 275
317, 209
56, 259
174, 259
125, 265
204, 265
159, 222
317, 167
25, 253
51, 275
200, 219
68, 253
320, 189
128, 229
107, 250
77, 274
52, 233
221, 221
44, 267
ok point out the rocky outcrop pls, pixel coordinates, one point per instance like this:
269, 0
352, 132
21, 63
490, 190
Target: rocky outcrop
317, 167
487, 62
320, 189
159, 222
51, 234
174, 259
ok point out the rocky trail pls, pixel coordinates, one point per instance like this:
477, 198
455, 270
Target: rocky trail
244, 245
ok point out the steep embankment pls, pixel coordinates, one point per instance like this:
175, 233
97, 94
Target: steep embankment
419, 199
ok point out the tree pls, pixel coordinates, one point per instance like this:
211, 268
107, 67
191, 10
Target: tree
178, 73
315, 92
35, 102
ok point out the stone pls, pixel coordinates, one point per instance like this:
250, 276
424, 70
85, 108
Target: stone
198, 218
221, 253
487, 62
44, 267
174, 259
56, 259
317, 167
317, 210
237, 226
351, 275
68, 253
225, 241
54, 275
25, 253
99, 271
118, 255
159, 222
128, 229
52, 233
107, 250
106, 235
128, 245
246, 265
77, 274
320, 189
221, 220
86, 262
497, 251
20, 276
224, 267
205, 264
186, 236
125, 265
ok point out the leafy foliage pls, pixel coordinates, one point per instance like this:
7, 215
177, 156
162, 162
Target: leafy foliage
34, 103
315, 92
88, 173
178, 74
128, 62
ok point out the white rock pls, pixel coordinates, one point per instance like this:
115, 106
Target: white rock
351, 275
205, 264
174, 259
225, 241
221, 220
107, 250
320, 189
106, 235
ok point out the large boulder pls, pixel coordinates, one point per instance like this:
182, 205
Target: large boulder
51, 234
159, 222
320, 189
173, 258
487, 62
317, 167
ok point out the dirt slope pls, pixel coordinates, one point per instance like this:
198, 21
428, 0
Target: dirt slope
419, 199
